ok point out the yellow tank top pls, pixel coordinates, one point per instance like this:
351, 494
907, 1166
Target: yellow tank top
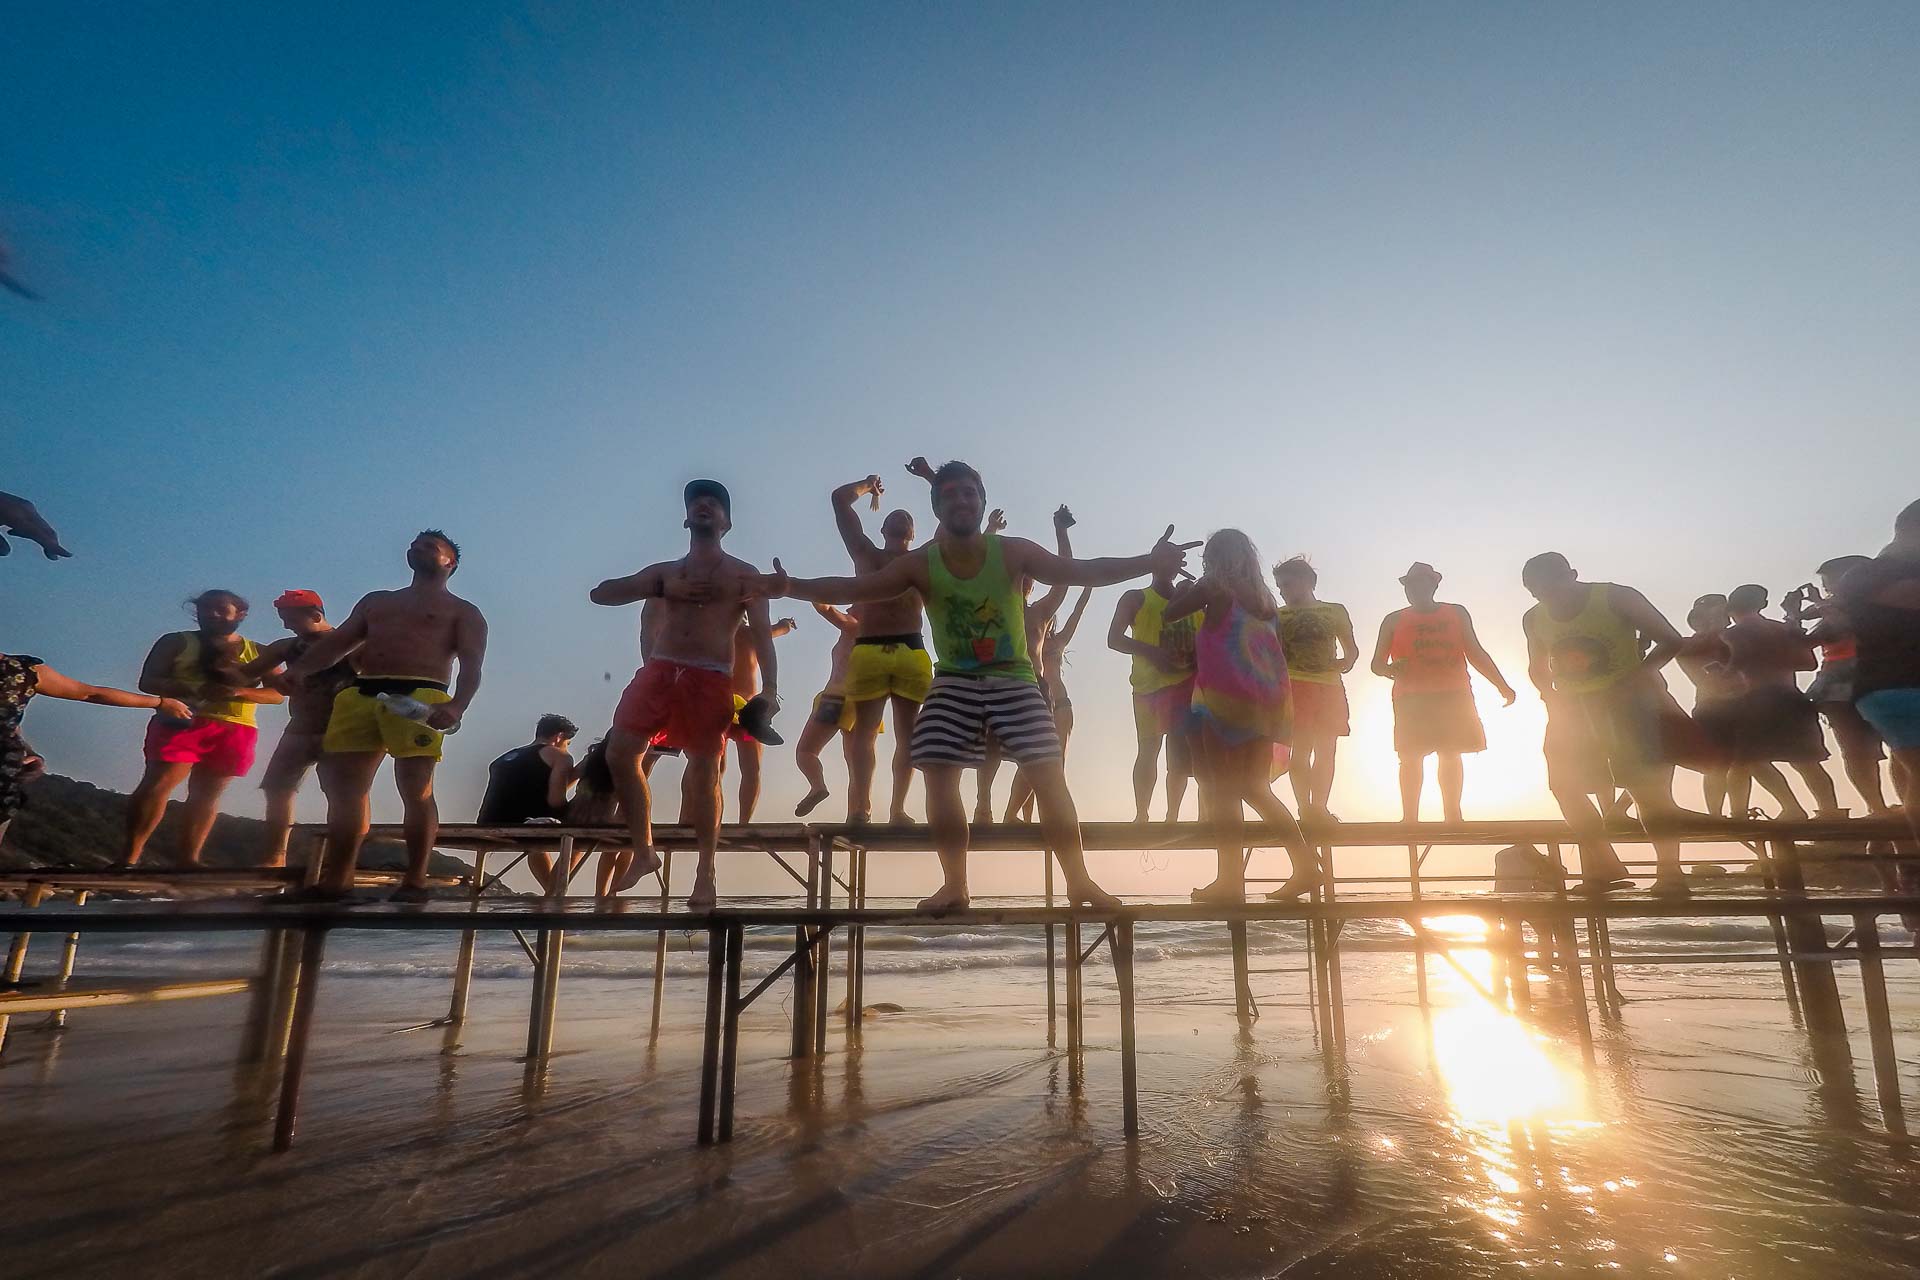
186, 669
1594, 649
1151, 627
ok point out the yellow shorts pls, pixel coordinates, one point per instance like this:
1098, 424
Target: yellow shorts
880, 670
361, 724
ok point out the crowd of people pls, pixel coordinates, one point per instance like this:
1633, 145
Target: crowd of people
1233, 687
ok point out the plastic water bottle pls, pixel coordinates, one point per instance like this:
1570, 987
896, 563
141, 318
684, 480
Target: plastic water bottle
410, 708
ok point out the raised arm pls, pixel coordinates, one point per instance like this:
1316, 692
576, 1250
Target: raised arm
902, 573
54, 685
1029, 559
781, 627
1046, 606
644, 585
1063, 634
1650, 623
1482, 661
470, 647
22, 519
847, 520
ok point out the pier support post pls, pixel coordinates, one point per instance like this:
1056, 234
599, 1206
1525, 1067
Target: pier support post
730, 1031
17, 953
313, 951
1819, 992
823, 967
469, 939
1242, 981
1046, 863
660, 946
803, 969
1073, 988
710, 1037
1123, 979
1873, 981
261, 1001
57, 1020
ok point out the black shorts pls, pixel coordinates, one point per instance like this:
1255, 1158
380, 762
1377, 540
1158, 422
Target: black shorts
1776, 724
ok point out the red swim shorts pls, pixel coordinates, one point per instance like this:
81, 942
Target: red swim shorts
673, 704
219, 746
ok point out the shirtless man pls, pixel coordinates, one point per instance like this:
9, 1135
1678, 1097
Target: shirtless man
832, 714
746, 685
683, 692
1776, 722
1162, 680
1594, 651
970, 581
309, 706
404, 643
889, 664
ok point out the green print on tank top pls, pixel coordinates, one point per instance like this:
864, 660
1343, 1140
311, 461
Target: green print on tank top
979, 623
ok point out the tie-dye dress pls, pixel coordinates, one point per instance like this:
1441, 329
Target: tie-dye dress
1240, 688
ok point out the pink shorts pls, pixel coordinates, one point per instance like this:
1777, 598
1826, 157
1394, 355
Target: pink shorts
218, 746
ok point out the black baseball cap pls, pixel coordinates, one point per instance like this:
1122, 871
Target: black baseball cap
709, 489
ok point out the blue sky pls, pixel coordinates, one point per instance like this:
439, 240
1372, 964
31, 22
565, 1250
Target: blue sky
1376, 283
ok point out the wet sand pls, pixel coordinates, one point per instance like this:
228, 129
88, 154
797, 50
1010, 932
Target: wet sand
1711, 1140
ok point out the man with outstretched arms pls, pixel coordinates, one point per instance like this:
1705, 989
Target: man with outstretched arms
405, 644
984, 680
682, 696
889, 663
1594, 651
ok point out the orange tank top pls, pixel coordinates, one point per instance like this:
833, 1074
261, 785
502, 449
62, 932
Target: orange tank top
1429, 651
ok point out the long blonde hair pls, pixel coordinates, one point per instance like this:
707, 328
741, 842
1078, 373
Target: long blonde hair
1231, 558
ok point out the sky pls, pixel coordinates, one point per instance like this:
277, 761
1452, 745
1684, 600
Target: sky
1375, 283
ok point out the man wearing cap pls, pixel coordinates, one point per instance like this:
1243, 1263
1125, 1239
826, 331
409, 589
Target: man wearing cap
309, 705
1425, 649
682, 695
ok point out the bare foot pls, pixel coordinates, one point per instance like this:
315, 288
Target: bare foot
704, 895
808, 801
1218, 892
899, 818
1297, 885
643, 865
1092, 895
948, 899
1670, 885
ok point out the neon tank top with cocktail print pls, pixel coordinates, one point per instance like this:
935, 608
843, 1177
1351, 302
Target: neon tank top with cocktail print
1594, 649
979, 623
1429, 650
1151, 627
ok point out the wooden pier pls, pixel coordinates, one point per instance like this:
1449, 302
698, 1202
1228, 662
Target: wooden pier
1572, 936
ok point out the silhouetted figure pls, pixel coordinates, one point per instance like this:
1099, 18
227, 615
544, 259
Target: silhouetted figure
1879, 602
1594, 651
1730, 767
747, 749
1861, 751
1318, 638
1425, 649
1162, 683
23, 520
1776, 722
1242, 713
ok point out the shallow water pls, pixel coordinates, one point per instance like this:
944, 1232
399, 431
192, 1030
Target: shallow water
1712, 1137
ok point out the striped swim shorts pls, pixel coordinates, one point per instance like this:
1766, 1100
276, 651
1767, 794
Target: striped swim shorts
960, 711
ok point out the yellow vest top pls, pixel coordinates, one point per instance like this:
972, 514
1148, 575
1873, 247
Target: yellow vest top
186, 669
1594, 649
1150, 627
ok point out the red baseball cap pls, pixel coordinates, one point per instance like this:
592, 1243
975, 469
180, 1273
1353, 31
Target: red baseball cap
299, 599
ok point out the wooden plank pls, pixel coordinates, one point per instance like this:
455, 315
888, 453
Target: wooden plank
30, 1001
